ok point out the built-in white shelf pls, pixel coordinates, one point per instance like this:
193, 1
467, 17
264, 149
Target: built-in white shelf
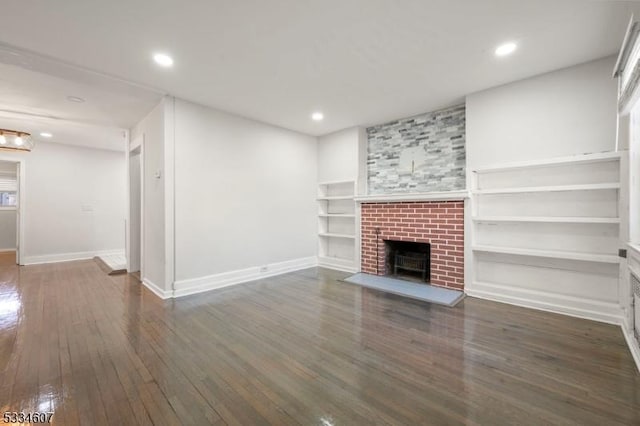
333, 235
335, 182
545, 234
337, 229
553, 188
558, 161
555, 254
336, 197
547, 219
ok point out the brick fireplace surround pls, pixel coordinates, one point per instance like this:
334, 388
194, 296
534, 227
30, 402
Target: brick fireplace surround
439, 223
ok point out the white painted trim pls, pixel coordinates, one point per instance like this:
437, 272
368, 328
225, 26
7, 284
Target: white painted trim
169, 158
557, 161
418, 196
610, 313
143, 186
632, 343
548, 219
336, 197
555, 254
344, 265
20, 208
337, 182
552, 188
633, 261
333, 235
136, 144
211, 282
628, 42
155, 289
127, 217
67, 257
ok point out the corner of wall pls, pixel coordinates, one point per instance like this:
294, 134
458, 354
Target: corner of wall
169, 191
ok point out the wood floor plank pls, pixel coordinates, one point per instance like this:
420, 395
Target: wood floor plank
301, 348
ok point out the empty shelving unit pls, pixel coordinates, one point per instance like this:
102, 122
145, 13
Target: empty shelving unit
546, 234
337, 225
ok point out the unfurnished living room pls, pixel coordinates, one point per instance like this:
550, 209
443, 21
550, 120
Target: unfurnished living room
401, 212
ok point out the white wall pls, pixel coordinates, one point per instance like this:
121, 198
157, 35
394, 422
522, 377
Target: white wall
152, 131
244, 195
338, 155
565, 112
7, 229
75, 202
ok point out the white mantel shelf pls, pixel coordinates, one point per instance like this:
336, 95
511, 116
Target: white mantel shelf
424, 196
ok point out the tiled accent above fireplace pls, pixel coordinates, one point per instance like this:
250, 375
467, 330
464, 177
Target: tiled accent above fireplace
419, 154
439, 223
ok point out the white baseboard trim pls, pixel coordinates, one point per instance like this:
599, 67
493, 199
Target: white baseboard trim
68, 257
337, 264
162, 294
211, 282
632, 343
610, 313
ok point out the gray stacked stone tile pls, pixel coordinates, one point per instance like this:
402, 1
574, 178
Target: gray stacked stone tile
418, 154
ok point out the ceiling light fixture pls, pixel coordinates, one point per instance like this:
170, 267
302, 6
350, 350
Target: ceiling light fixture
317, 116
46, 134
163, 60
15, 140
75, 99
506, 49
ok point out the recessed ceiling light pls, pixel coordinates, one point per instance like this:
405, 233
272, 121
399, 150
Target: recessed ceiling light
506, 49
46, 134
75, 99
163, 60
317, 116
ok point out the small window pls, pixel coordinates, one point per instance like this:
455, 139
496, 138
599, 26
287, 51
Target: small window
8, 199
8, 190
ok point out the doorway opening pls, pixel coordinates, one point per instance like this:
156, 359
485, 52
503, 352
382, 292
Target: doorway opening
11, 195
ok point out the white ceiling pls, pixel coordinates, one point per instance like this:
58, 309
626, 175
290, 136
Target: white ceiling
361, 62
65, 131
34, 100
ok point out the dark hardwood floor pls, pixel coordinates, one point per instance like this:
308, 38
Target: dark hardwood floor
301, 348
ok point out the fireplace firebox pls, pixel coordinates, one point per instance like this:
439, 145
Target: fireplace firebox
405, 259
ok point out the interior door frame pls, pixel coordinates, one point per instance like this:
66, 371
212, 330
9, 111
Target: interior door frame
137, 143
20, 204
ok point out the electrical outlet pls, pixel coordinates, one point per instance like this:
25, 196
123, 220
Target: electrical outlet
264, 268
